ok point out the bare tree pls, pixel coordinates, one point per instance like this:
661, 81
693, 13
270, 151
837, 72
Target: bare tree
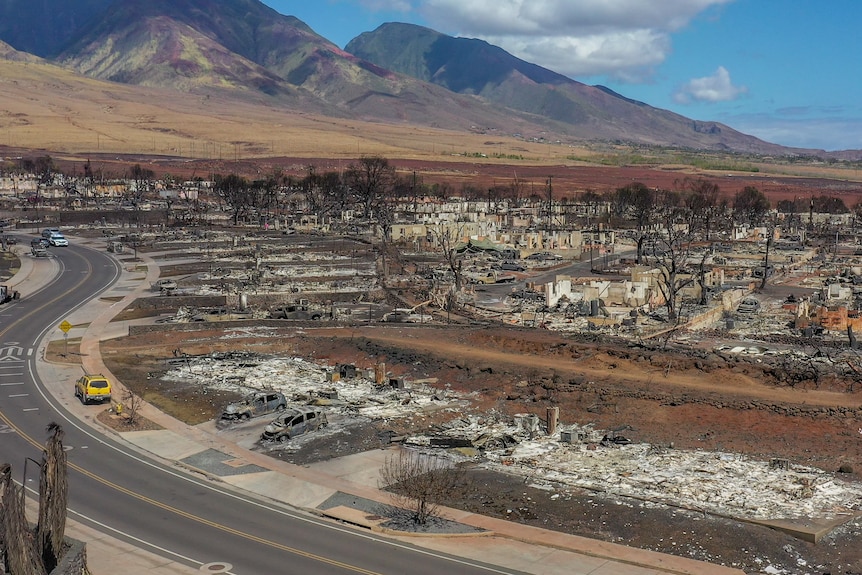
442, 190
515, 192
141, 185
132, 405
638, 202
593, 201
53, 497
371, 182
233, 191
323, 193
750, 205
44, 167
704, 201
671, 249
447, 238
263, 194
771, 224
419, 482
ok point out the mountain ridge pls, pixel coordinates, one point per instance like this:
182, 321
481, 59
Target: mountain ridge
471, 66
399, 73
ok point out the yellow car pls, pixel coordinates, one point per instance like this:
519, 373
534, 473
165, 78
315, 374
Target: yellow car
95, 388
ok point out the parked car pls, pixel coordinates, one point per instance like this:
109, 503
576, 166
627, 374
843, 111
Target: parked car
9, 240
513, 267
58, 240
93, 388
541, 256
255, 404
293, 422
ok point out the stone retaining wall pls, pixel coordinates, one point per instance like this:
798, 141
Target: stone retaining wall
74, 561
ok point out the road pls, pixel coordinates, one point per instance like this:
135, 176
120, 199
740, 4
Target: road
126, 495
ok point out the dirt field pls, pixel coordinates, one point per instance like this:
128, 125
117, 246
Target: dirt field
691, 400
568, 177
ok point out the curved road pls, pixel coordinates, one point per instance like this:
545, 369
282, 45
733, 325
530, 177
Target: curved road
157, 507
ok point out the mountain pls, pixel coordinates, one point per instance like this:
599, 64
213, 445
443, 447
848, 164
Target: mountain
399, 73
43, 27
183, 44
7, 52
243, 45
470, 66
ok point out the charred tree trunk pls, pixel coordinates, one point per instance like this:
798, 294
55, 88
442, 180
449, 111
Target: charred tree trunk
20, 556
766, 264
53, 496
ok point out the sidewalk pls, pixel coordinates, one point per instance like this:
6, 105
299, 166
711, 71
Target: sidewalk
503, 543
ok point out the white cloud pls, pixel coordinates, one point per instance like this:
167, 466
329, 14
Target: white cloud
715, 88
386, 5
621, 38
613, 54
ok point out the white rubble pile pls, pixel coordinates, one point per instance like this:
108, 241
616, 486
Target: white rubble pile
330, 271
715, 482
252, 331
298, 378
470, 427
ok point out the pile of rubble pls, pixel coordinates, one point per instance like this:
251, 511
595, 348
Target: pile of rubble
305, 382
577, 456
714, 482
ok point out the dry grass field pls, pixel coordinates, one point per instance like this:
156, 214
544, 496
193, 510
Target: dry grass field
48, 108
73, 118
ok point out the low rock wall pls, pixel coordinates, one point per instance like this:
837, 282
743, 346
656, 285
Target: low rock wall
206, 325
74, 561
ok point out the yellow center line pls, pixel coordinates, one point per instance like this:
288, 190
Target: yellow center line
159, 504
191, 516
48, 303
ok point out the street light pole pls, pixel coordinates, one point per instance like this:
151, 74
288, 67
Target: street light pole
24, 476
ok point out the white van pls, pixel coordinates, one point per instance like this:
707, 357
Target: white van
57, 239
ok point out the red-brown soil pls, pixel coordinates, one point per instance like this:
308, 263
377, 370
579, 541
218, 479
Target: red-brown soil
567, 180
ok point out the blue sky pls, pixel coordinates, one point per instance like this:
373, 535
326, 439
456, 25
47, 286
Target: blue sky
786, 71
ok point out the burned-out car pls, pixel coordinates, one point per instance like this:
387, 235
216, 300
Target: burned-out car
255, 404
300, 312
293, 422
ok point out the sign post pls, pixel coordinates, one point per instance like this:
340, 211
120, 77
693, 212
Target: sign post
65, 326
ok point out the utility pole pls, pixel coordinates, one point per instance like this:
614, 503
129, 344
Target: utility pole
550, 203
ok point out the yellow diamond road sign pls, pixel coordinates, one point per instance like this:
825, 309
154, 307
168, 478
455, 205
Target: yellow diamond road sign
65, 326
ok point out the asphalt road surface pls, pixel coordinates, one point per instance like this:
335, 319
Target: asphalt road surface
179, 516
